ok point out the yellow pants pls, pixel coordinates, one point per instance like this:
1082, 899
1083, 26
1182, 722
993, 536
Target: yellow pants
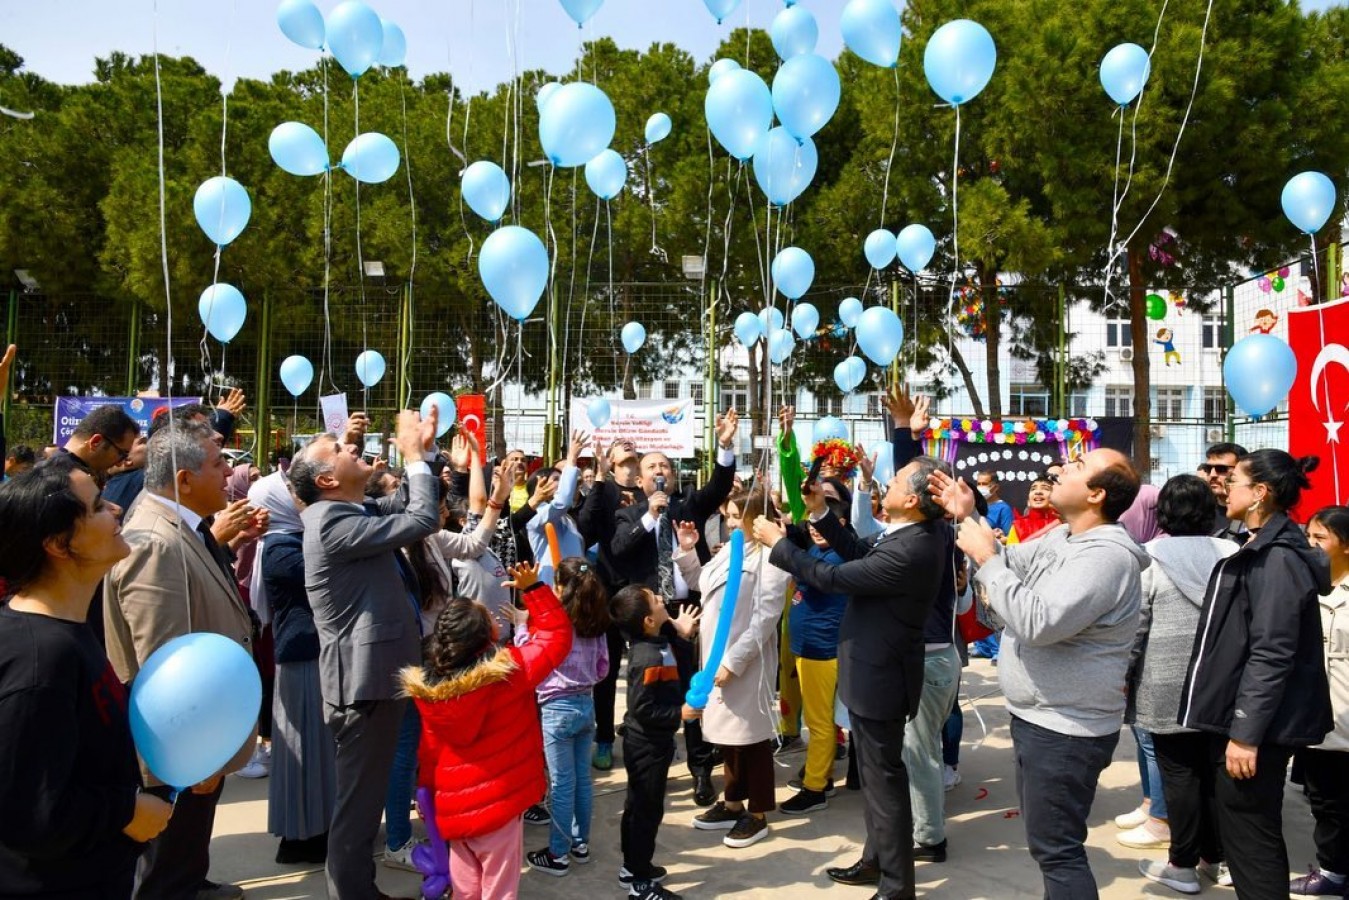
819, 680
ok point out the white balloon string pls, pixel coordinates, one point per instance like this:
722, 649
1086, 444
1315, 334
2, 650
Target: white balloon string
203, 345
571, 285
360, 258
586, 296
955, 245
326, 363
890, 163
1115, 202
412, 268
1321, 324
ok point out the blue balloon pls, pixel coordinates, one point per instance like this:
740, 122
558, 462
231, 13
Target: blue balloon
633, 336
772, 320
1259, 371
1124, 71
355, 36
657, 128
545, 93
805, 94
298, 149
879, 248
721, 8
222, 208
959, 60
880, 334
794, 32
301, 21
513, 265
829, 428
443, 404
700, 686
885, 459
805, 319
371, 158
193, 705
914, 245
843, 377
780, 345
720, 68
598, 412
486, 189
858, 365
849, 311
1308, 200
739, 110
872, 30
222, 310
575, 124
581, 10
784, 166
393, 50
748, 328
370, 367
793, 271
297, 373
606, 174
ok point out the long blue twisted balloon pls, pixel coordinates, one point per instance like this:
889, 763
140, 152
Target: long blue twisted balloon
700, 686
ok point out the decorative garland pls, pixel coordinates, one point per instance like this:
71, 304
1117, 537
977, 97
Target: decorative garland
1013, 431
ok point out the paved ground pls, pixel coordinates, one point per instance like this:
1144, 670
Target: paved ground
987, 859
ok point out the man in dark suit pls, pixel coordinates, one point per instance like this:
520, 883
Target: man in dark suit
368, 620
892, 579
643, 547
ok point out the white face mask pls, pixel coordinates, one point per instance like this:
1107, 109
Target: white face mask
985, 490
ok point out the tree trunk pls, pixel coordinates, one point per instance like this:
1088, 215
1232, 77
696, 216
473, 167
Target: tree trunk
988, 288
1138, 331
968, 377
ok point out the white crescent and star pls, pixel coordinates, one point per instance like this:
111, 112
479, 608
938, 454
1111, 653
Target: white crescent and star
472, 422
1331, 354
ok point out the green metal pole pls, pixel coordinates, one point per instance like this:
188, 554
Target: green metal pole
1061, 361
1334, 262
133, 352
11, 337
262, 413
1229, 330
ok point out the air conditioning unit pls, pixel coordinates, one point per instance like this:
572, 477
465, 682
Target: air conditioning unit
1126, 354
1157, 431
1214, 435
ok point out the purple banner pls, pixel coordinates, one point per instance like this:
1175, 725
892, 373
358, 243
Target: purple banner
70, 410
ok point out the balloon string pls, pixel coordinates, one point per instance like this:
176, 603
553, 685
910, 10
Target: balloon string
412, 268
203, 345
326, 364
585, 291
360, 258
1321, 324
955, 240
890, 163
1114, 213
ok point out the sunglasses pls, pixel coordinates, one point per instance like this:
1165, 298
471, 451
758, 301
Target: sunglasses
1215, 468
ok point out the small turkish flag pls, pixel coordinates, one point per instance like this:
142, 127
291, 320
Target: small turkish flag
1318, 404
472, 409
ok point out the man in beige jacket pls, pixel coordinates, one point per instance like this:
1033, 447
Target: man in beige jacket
177, 581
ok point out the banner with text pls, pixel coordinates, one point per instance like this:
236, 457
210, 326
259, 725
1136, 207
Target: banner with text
70, 410
655, 426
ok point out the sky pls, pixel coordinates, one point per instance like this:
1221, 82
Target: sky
59, 39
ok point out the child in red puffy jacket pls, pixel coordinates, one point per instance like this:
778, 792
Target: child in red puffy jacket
481, 749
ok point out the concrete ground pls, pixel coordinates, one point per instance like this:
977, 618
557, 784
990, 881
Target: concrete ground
987, 856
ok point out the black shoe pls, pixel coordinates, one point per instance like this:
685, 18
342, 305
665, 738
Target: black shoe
935, 853
799, 784
313, 851
804, 803
718, 818
786, 743
704, 792
651, 890
537, 815
860, 872
654, 873
840, 752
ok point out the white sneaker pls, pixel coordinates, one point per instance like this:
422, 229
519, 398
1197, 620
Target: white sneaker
259, 764
1132, 819
1151, 835
950, 777
1217, 873
1184, 880
402, 857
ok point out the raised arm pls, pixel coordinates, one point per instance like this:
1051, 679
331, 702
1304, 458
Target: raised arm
789, 464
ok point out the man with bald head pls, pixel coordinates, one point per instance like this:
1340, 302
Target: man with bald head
1070, 600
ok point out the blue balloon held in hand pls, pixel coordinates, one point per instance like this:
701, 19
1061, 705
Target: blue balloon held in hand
872, 30
1259, 371
371, 158
633, 336
393, 51
598, 412
959, 60
784, 166
700, 686
486, 189
829, 428
880, 334
739, 110
575, 124
657, 128
513, 265
849, 311
879, 248
780, 345
748, 328
581, 10
1308, 200
297, 373
794, 32
296, 148
606, 174
806, 92
805, 319
222, 208
1124, 71
793, 272
443, 404
914, 245
301, 21
355, 36
193, 705
222, 310
370, 367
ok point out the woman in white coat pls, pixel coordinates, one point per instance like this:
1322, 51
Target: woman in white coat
741, 712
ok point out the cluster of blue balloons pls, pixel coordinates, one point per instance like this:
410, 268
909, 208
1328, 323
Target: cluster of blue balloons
913, 246
849, 373
793, 271
355, 35
297, 374
959, 60
1124, 71
371, 158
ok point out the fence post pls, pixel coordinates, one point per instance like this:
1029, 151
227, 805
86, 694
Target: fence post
1334, 262
262, 405
133, 352
11, 337
1061, 361
1229, 331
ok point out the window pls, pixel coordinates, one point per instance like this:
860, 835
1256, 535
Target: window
1119, 401
643, 391
1215, 406
696, 393
829, 406
1212, 329
1170, 406
876, 405
1077, 404
734, 396
1029, 400
1117, 333
672, 390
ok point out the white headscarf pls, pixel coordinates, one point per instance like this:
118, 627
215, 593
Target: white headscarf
272, 494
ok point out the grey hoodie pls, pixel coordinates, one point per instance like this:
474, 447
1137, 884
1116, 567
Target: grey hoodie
1070, 604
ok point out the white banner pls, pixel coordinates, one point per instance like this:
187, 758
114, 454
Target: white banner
655, 426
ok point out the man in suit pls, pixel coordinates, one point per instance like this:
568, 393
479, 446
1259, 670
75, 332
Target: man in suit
368, 620
643, 547
177, 580
892, 580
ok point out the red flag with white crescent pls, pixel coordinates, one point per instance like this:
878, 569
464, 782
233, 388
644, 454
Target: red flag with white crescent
472, 409
1318, 404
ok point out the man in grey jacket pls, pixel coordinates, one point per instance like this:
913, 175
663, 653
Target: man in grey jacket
368, 620
1070, 602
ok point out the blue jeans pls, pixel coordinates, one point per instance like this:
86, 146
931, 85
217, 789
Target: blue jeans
568, 733
1149, 774
402, 781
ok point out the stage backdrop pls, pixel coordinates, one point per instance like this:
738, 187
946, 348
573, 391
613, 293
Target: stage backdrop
664, 426
70, 410
1318, 404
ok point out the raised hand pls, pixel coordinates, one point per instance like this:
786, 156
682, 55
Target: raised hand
231, 520
523, 576
786, 418
868, 466
503, 479
768, 532
899, 405
687, 534
686, 623
411, 433
919, 418
601, 460
951, 494
358, 423
578, 443
544, 491
234, 402
6, 363
461, 451
726, 428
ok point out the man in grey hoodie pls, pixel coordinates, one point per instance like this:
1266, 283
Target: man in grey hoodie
1070, 602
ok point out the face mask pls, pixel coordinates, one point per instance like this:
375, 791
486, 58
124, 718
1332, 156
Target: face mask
986, 491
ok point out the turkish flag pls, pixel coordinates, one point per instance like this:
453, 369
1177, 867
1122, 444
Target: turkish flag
472, 409
1318, 404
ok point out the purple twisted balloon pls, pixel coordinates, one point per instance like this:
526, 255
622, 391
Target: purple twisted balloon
432, 859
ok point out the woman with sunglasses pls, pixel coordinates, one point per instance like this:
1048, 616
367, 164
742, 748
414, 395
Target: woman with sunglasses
1257, 682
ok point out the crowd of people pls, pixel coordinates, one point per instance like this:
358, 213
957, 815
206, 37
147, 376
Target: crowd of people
456, 629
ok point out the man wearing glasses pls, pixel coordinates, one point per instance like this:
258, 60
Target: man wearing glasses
103, 439
1220, 461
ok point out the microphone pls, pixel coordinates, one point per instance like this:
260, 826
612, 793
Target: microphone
660, 483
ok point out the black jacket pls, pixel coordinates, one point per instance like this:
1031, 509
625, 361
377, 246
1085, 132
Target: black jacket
597, 519
655, 701
634, 548
1257, 673
893, 580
